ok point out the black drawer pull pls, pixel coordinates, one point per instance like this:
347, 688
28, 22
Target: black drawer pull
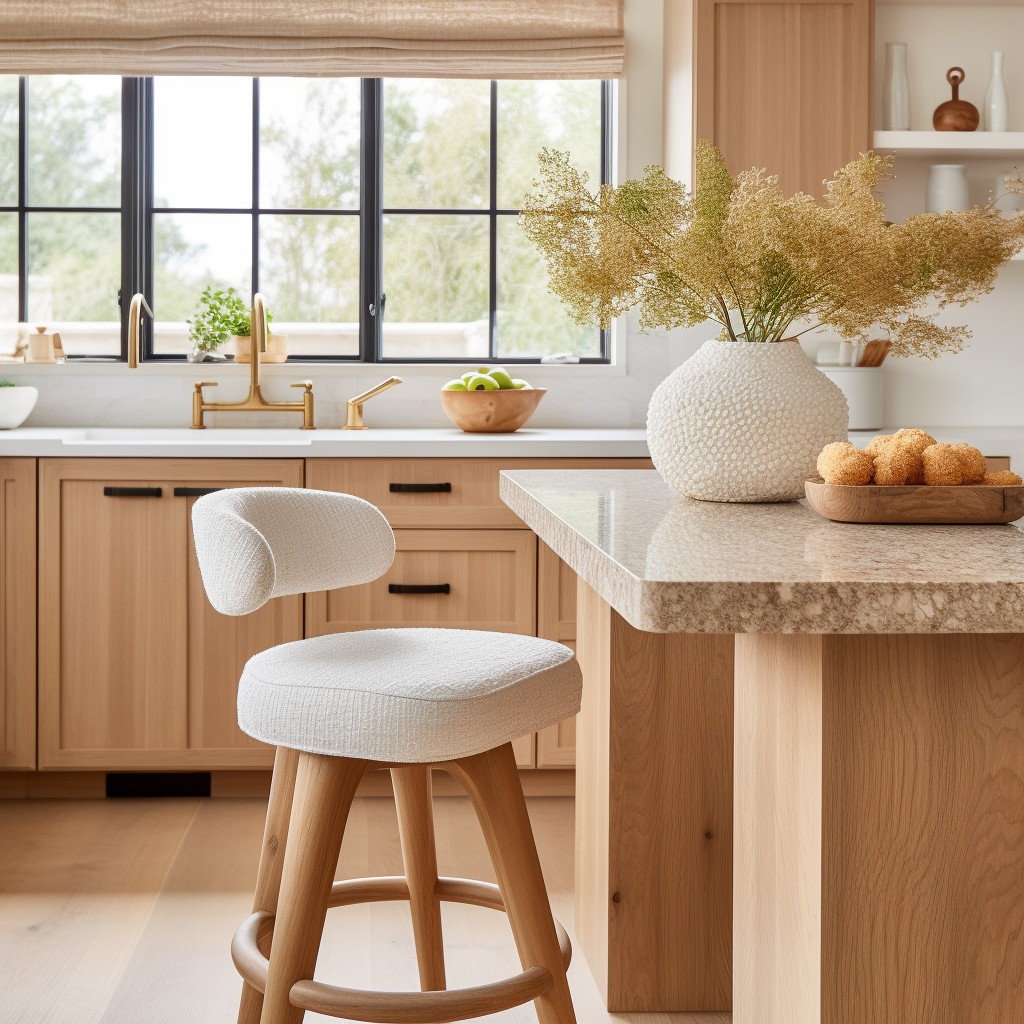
133, 492
195, 492
420, 488
419, 588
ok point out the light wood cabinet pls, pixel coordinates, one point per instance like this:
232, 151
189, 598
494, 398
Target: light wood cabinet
556, 620
136, 670
784, 84
446, 578
452, 528
17, 614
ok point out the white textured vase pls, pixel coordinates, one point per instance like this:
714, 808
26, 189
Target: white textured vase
743, 421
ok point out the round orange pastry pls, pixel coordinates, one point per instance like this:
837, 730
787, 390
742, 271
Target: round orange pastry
898, 456
972, 463
876, 444
1004, 478
942, 466
844, 463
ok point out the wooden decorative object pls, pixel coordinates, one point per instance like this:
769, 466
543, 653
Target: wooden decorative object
491, 412
955, 115
920, 504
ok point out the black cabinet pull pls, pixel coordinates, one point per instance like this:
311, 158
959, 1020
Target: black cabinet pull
420, 488
133, 492
419, 588
195, 492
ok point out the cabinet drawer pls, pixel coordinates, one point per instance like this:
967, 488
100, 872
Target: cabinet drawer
439, 493
490, 576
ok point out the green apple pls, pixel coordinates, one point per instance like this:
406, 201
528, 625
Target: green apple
503, 379
481, 382
483, 369
520, 384
467, 375
455, 385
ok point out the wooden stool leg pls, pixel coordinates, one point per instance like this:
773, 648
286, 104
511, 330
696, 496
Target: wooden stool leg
268, 879
492, 782
416, 825
324, 788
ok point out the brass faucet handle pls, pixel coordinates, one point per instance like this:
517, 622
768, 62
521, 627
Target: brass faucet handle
200, 384
307, 384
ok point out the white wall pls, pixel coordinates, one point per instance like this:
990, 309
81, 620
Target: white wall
979, 387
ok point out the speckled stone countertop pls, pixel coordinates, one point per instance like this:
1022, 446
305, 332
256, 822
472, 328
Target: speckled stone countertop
669, 564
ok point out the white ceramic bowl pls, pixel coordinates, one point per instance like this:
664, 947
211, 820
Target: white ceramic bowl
15, 405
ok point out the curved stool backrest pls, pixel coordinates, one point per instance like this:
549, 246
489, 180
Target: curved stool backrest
256, 543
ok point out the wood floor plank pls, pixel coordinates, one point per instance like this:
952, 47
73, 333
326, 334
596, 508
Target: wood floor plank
168, 881
78, 880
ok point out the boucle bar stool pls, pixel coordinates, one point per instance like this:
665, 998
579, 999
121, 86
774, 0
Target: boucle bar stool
404, 699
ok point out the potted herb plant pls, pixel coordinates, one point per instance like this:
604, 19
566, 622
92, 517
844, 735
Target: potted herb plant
240, 325
212, 323
745, 418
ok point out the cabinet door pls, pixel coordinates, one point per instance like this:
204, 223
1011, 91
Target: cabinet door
556, 620
446, 494
491, 580
784, 85
17, 613
136, 669
490, 576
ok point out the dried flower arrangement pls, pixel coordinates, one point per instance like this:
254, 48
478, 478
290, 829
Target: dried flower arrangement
764, 266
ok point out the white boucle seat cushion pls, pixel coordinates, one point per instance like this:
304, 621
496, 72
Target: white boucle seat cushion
408, 695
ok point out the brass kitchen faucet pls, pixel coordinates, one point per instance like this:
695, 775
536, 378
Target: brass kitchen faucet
254, 401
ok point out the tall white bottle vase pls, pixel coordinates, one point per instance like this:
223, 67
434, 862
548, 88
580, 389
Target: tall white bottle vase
996, 110
947, 188
896, 89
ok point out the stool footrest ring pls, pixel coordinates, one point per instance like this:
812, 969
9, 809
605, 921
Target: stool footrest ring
253, 937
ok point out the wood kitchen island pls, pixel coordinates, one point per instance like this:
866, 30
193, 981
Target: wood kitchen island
800, 767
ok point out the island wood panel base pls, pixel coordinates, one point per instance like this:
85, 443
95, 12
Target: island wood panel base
654, 813
879, 868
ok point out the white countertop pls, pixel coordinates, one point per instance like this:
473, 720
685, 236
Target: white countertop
446, 442
157, 442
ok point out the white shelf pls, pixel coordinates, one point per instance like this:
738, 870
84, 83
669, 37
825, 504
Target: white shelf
932, 144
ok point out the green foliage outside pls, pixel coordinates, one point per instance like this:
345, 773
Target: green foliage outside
436, 153
74, 259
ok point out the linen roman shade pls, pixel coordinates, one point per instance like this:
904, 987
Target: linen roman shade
360, 38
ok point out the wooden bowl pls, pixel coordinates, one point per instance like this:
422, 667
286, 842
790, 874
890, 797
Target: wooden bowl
921, 504
491, 412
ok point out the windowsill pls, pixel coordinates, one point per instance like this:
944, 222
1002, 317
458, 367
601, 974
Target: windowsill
534, 372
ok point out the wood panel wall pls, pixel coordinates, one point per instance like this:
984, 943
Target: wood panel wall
784, 84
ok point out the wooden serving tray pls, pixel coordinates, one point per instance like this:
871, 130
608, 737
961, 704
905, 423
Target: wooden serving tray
844, 503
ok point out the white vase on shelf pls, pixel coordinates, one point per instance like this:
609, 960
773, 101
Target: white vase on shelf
996, 109
947, 190
896, 89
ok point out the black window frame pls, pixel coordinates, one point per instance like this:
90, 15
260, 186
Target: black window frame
138, 212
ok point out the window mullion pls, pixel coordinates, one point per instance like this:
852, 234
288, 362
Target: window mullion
607, 155
492, 293
22, 199
255, 185
371, 221
136, 203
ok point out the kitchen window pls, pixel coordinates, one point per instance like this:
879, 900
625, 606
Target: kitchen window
377, 216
